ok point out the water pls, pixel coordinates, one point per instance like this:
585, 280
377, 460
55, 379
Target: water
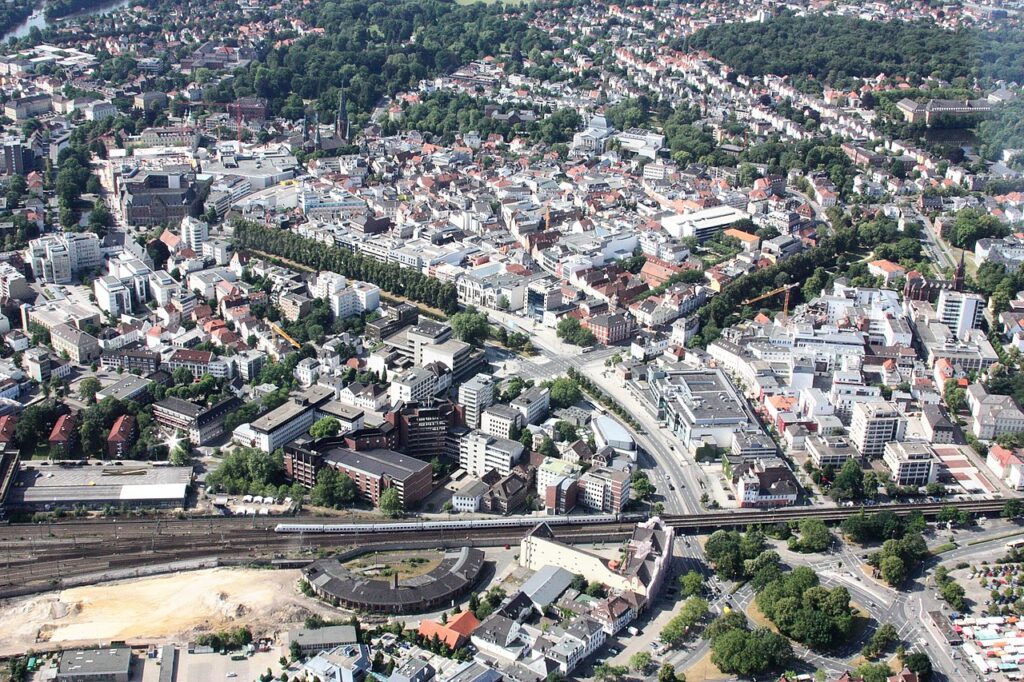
38, 18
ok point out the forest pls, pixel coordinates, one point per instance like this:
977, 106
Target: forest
836, 49
377, 49
390, 277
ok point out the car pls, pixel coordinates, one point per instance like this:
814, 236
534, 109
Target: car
232, 674
671, 486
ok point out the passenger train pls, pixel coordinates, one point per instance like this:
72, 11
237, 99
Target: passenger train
504, 522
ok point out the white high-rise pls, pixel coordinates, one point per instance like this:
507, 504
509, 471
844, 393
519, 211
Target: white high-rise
960, 311
194, 233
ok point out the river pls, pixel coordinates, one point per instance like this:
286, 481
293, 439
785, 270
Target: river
38, 18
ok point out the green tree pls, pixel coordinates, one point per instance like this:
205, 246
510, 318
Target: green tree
894, 571
814, 536
605, 672
391, 503
564, 392
849, 483
667, 673
88, 389
470, 326
691, 583
640, 662
954, 595
571, 331
325, 427
919, 663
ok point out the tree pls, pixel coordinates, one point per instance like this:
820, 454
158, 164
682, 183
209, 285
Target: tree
919, 663
894, 571
690, 614
88, 389
1013, 509
332, 489
953, 594
571, 331
391, 503
605, 672
181, 455
470, 326
640, 662
691, 583
564, 392
667, 673
814, 536
325, 427
849, 483
547, 447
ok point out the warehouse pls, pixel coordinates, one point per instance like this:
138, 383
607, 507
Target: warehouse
132, 484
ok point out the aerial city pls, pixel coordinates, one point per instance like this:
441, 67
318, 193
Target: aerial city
528, 340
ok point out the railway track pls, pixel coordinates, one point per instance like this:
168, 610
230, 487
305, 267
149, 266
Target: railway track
24, 566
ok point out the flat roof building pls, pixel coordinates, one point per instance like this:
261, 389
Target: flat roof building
134, 484
95, 665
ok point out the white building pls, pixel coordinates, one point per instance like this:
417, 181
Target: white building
112, 295
875, 424
960, 311
57, 258
480, 453
475, 396
194, 233
911, 462
413, 385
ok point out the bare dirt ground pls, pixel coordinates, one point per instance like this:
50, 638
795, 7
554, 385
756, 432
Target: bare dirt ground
172, 607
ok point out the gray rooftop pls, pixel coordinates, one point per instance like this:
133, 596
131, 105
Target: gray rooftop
95, 662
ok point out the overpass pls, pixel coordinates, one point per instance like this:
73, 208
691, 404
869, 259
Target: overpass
742, 518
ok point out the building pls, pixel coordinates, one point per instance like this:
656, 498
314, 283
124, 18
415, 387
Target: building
121, 437
422, 428
645, 561
533, 404
95, 665
960, 311
875, 424
286, 422
475, 396
158, 197
64, 436
313, 641
469, 496
481, 453
610, 328
558, 485
605, 490
414, 385
80, 347
911, 462
195, 232
112, 295
700, 406
346, 663
94, 486
57, 258
1007, 464
201, 425
374, 471
499, 420
830, 451
993, 415
703, 224
765, 482
459, 571
453, 634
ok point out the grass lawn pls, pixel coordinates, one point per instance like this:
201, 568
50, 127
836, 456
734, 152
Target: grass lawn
759, 618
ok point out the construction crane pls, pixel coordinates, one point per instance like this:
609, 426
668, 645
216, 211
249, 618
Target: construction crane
785, 304
284, 335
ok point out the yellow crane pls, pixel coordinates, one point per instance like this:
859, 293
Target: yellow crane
785, 304
284, 335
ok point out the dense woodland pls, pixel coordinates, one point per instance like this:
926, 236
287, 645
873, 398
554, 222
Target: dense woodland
376, 49
835, 50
